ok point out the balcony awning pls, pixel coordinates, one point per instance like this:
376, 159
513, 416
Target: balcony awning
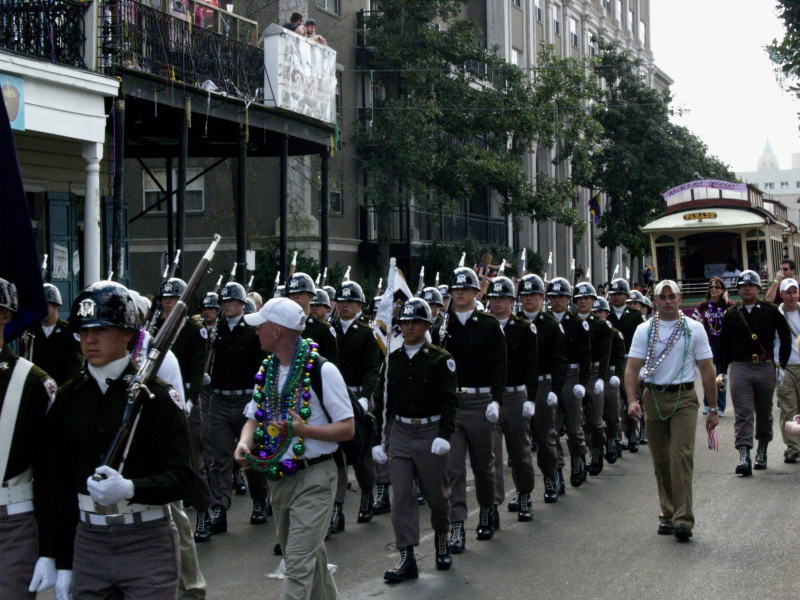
707, 219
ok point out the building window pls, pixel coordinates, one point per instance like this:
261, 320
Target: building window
516, 57
516, 2
194, 191
784, 185
630, 20
590, 44
336, 205
556, 20
331, 6
798, 184
618, 12
607, 5
538, 5
573, 31
338, 94
642, 32
769, 186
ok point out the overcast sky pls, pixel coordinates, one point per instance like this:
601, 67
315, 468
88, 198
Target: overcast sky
714, 50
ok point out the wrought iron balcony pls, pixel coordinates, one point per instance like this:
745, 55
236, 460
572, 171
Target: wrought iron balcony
48, 29
430, 226
191, 41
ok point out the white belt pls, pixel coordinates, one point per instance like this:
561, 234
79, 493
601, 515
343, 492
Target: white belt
483, 390
519, 388
611, 368
17, 508
422, 421
356, 389
232, 392
15, 494
146, 516
87, 504
575, 366
544, 377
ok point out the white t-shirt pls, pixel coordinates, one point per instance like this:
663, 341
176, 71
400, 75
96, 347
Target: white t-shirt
794, 327
337, 403
667, 372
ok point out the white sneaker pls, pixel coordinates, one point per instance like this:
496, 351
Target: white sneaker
705, 410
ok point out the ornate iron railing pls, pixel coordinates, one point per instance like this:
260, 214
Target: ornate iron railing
52, 30
172, 45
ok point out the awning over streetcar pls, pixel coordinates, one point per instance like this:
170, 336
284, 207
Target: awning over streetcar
708, 218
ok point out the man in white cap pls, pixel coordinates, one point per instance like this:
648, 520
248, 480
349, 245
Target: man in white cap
788, 392
291, 436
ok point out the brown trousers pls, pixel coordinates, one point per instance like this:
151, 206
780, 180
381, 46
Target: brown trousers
544, 430
364, 472
473, 435
570, 413
140, 560
789, 401
594, 428
382, 471
751, 387
516, 430
672, 449
611, 416
19, 550
410, 453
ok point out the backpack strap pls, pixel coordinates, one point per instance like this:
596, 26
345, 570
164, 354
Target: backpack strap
316, 384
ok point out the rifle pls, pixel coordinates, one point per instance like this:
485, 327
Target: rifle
436, 281
334, 316
523, 261
217, 285
138, 391
249, 285
448, 312
44, 268
292, 268
421, 284
232, 278
276, 284
324, 278
155, 312
174, 266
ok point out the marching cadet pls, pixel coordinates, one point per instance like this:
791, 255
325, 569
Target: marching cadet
237, 357
746, 343
476, 342
359, 363
553, 366
125, 540
55, 349
421, 403
593, 404
209, 311
522, 352
331, 291
579, 352
26, 392
635, 300
303, 291
611, 404
433, 297
321, 305
444, 290
625, 320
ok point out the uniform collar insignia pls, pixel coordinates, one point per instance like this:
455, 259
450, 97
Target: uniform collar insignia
3, 366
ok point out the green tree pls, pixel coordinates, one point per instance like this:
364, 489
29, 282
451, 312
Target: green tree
786, 53
454, 118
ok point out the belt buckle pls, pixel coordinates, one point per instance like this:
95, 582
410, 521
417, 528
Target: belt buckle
115, 520
755, 359
416, 421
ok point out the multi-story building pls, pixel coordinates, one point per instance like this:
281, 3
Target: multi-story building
782, 185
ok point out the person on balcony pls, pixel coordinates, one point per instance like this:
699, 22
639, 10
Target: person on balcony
295, 24
311, 32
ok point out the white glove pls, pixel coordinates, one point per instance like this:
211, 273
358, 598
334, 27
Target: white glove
528, 408
44, 575
114, 488
206, 379
379, 455
721, 378
599, 386
579, 391
189, 406
440, 446
493, 412
364, 404
779, 374
552, 399
63, 584
614, 381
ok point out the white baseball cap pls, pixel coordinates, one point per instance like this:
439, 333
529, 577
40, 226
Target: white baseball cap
666, 283
280, 311
787, 283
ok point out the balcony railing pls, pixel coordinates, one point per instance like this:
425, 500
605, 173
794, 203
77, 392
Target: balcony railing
194, 42
48, 29
429, 226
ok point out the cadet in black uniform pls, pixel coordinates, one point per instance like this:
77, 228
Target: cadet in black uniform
625, 320
746, 345
422, 406
553, 365
359, 362
476, 342
54, 347
321, 305
611, 404
593, 402
237, 358
303, 291
522, 355
23, 406
433, 297
570, 405
125, 541
444, 290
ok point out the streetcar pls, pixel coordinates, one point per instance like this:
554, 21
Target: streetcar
719, 228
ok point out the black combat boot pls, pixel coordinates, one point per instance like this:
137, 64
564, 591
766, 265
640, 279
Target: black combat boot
405, 569
239, 486
551, 489
383, 503
218, 523
513, 506
418, 491
578, 475
596, 466
525, 508
745, 466
259, 514
611, 451
485, 529
444, 559
458, 539
201, 532
496, 517
562, 484
643, 434
365, 511
337, 519
761, 456
633, 442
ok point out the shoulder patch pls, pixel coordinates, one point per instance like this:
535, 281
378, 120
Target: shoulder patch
622, 337
332, 329
176, 398
586, 326
51, 388
203, 333
451, 364
561, 327
533, 328
609, 325
77, 337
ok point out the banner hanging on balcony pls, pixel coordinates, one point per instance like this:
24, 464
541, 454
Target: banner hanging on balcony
300, 75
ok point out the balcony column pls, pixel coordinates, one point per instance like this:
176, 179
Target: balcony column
241, 204
284, 206
119, 174
180, 205
324, 208
170, 212
92, 153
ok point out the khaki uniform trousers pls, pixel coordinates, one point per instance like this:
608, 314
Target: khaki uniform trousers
789, 402
302, 504
594, 428
611, 406
410, 453
382, 471
751, 387
570, 413
516, 430
473, 435
672, 449
191, 584
19, 551
544, 429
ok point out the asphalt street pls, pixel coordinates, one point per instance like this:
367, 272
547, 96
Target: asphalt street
598, 541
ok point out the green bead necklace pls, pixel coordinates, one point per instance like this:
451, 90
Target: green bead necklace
652, 363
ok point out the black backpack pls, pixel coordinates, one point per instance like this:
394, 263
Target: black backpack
357, 449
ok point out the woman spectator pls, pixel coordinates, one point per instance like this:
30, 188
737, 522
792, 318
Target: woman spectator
709, 312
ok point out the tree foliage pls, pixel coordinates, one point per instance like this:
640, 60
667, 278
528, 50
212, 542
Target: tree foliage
786, 53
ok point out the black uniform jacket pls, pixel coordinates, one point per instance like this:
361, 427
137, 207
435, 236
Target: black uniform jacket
522, 354
58, 355
765, 321
324, 335
600, 332
578, 342
359, 356
237, 356
627, 324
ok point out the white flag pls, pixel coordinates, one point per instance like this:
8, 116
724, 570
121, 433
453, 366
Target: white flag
397, 290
